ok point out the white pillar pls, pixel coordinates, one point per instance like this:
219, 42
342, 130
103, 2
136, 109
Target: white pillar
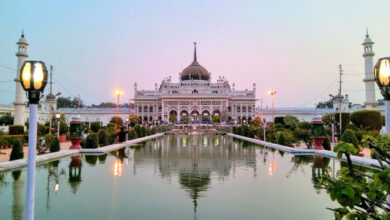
369, 72
20, 95
32, 143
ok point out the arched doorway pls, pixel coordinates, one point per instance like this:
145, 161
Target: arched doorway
173, 113
194, 115
205, 115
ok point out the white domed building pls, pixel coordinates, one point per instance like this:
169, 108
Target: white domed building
195, 96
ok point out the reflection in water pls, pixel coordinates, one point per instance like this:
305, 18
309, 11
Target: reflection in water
318, 169
272, 166
117, 170
53, 175
194, 159
75, 172
17, 204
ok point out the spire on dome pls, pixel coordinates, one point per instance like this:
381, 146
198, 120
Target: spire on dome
195, 58
22, 33
367, 33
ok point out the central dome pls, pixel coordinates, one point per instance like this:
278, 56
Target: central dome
195, 71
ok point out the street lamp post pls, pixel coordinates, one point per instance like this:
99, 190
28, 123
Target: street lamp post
382, 78
58, 116
264, 126
118, 93
272, 94
33, 75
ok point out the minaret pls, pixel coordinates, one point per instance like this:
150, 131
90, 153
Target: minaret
369, 72
20, 95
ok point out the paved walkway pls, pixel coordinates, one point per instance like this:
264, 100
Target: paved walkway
5, 154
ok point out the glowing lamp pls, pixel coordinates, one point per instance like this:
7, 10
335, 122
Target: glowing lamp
382, 76
33, 78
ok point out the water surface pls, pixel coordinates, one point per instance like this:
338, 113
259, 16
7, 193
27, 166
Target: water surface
176, 177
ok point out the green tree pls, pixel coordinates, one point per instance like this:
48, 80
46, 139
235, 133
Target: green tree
54, 145
186, 119
6, 119
215, 119
291, 121
367, 119
117, 120
95, 126
103, 137
172, 118
350, 137
361, 196
63, 102
132, 134
17, 149
92, 141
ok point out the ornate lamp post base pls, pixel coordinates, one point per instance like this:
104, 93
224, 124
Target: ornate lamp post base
75, 132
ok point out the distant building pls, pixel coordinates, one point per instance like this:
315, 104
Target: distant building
196, 97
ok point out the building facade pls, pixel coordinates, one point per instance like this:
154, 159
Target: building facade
196, 97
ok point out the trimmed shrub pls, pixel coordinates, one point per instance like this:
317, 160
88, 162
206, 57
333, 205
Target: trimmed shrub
326, 144
132, 134
349, 137
3, 142
367, 119
352, 127
304, 125
279, 127
111, 126
279, 120
117, 120
42, 129
95, 126
23, 138
91, 141
290, 121
281, 139
63, 127
54, 145
17, 149
103, 138
82, 143
111, 137
286, 138
15, 129
143, 129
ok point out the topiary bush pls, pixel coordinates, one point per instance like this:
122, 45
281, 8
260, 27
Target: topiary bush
132, 134
95, 126
143, 129
367, 119
17, 149
304, 125
111, 137
350, 137
91, 141
15, 129
103, 138
54, 145
82, 143
48, 139
3, 142
286, 138
326, 144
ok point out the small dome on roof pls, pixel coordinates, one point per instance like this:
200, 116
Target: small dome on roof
367, 40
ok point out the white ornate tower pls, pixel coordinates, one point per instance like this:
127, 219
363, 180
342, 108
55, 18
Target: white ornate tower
20, 95
369, 72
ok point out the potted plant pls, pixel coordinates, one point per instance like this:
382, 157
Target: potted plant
63, 130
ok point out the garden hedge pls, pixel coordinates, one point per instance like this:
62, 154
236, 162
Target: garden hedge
367, 119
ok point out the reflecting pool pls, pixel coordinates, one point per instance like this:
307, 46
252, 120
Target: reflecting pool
176, 177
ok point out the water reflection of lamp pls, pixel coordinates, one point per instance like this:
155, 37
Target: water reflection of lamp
75, 173
272, 166
117, 170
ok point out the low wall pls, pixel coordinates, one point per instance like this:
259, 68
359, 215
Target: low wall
367, 162
40, 159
